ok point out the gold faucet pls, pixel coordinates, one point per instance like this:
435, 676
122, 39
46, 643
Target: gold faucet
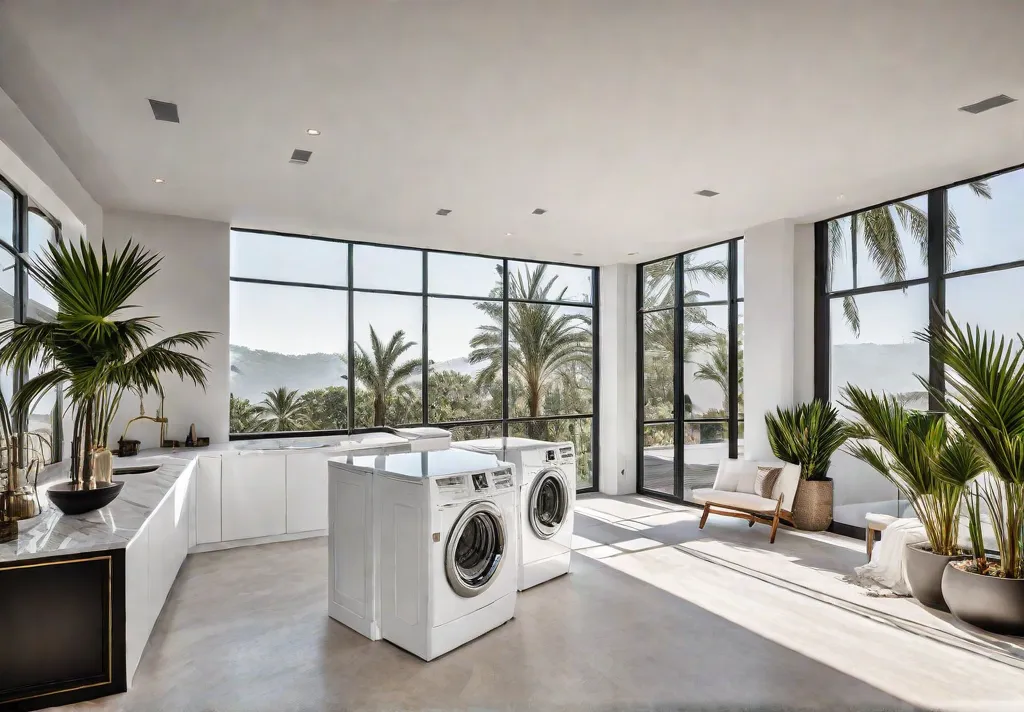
160, 418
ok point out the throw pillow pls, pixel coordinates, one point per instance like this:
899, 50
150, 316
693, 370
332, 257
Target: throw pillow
728, 476
764, 484
748, 475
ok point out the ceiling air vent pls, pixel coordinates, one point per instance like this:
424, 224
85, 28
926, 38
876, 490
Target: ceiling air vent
539, 211
301, 157
993, 102
164, 111
706, 193
442, 212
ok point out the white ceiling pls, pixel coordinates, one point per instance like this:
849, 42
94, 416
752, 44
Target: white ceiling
608, 113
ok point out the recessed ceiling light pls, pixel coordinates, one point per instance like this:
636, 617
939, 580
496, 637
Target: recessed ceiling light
707, 193
993, 102
508, 234
630, 254
158, 180
300, 156
164, 111
539, 211
577, 254
312, 132
443, 212
841, 196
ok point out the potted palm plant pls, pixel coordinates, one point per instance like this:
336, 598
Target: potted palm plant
985, 399
808, 435
95, 353
929, 465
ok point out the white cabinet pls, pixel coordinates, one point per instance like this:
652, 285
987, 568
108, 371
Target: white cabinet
208, 500
253, 492
307, 492
152, 560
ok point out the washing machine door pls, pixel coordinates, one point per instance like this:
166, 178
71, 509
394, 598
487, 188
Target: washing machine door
549, 502
475, 550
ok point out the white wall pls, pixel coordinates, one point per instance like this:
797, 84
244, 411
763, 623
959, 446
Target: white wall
190, 292
617, 298
803, 313
769, 329
28, 161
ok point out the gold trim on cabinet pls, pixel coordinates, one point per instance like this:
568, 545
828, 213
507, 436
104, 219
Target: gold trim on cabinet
110, 624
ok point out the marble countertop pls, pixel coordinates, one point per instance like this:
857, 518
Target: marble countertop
54, 533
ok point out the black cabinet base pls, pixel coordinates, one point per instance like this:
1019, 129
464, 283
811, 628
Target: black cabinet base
63, 628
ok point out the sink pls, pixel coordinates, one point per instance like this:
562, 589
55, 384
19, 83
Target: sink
137, 470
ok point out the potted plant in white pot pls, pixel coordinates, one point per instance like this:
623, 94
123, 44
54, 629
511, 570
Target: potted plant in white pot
985, 399
808, 435
95, 353
929, 465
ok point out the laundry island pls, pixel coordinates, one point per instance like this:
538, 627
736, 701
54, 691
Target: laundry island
82, 593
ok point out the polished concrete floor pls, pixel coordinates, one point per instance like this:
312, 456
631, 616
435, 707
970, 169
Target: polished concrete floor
655, 615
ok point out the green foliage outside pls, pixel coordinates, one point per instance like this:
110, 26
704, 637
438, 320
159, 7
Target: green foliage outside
550, 360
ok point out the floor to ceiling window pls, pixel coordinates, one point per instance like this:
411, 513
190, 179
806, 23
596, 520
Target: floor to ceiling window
690, 370
26, 229
331, 336
880, 271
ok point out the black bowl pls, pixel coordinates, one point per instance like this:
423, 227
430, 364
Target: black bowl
72, 498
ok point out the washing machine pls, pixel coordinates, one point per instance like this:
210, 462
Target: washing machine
547, 497
446, 543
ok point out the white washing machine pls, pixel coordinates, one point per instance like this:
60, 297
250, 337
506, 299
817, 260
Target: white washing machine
547, 498
445, 550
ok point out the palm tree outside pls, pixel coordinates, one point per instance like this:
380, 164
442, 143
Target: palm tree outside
244, 417
876, 231
281, 410
383, 373
544, 341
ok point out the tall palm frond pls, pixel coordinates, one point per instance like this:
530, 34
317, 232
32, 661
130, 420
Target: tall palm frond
985, 399
915, 452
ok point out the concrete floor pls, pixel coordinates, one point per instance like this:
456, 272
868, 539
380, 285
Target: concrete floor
655, 614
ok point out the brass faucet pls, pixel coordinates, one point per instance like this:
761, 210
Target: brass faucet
160, 418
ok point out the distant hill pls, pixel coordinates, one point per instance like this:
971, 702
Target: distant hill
254, 371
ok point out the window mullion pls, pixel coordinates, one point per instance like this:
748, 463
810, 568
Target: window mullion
937, 227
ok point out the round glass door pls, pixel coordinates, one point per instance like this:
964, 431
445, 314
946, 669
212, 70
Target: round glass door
549, 503
476, 549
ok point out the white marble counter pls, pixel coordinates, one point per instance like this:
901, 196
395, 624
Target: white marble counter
112, 527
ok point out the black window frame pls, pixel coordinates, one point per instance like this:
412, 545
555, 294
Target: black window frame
23, 205
425, 295
936, 279
678, 420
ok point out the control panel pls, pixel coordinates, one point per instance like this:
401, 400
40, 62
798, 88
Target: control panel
456, 487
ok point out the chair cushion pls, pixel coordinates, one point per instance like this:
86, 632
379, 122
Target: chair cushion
743, 500
747, 475
786, 485
879, 521
728, 476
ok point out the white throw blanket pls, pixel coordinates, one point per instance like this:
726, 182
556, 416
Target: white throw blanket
887, 570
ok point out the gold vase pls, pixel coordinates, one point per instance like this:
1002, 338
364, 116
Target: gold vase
15, 505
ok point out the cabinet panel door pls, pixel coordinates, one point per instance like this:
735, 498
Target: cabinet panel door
252, 496
307, 492
208, 502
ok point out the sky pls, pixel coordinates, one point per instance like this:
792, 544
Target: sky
295, 320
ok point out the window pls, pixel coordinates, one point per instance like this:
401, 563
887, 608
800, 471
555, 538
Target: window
421, 336
25, 228
956, 249
691, 376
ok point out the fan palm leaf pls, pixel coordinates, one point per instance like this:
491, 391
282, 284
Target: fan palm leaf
91, 349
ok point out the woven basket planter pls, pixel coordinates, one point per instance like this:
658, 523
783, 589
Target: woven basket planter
812, 507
